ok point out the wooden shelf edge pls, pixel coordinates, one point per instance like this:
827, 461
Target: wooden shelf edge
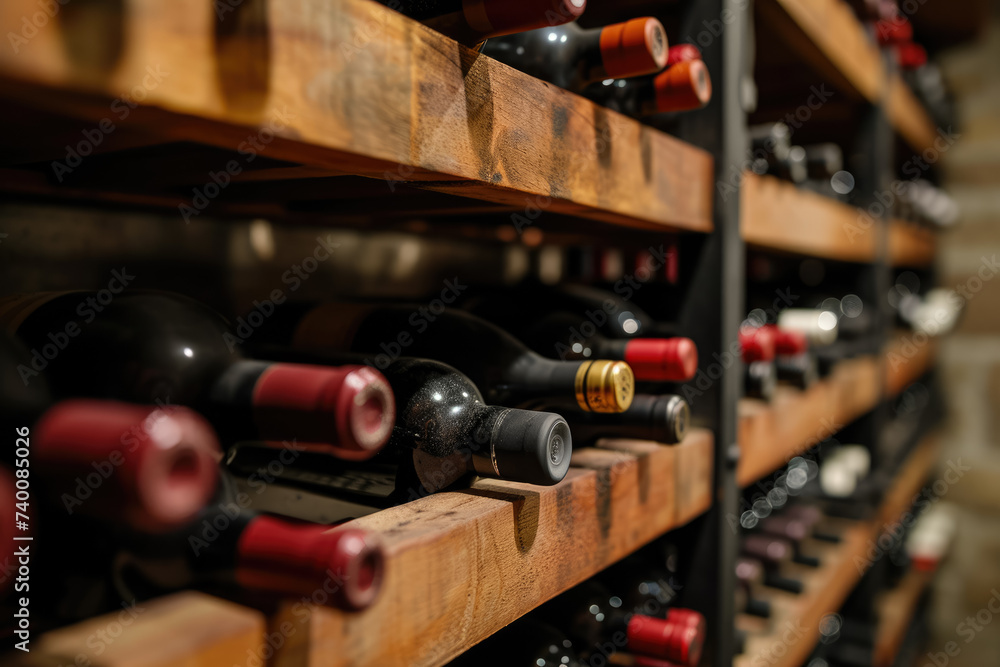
186, 628
461, 565
435, 115
779, 216
828, 35
829, 587
771, 434
909, 117
895, 611
911, 246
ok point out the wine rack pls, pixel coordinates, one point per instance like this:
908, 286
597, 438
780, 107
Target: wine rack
373, 121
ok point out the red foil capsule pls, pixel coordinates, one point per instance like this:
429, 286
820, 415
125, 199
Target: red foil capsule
155, 468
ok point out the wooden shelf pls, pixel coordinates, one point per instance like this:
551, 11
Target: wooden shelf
826, 587
910, 246
895, 611
777, 215
350, 89
908, 116
463, 564
828, 37
771, 434
190, 629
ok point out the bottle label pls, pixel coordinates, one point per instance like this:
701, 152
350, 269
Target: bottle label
330, 326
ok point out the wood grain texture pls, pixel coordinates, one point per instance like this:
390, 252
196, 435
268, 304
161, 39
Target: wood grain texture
895, 611
350, 86
777, 215
911, 246
463, 564
795, 622
182, 630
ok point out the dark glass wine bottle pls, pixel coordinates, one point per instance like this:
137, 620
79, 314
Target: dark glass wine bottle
230, 548
472, 21
572, 57
162, 348
151, 468
506, 371
525, 643
681, 87
772, 553
572, 334
664, 419
598, 621
445, 431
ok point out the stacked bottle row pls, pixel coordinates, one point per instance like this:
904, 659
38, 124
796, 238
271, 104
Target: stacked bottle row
127, 406
628, 66
635, 612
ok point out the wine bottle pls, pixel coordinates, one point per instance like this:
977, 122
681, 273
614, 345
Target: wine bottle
773, 553
150, 468
226, 547
525, 643
445, 431
793, 362
794, 531
506, 371
749, 575
681, 87
664, 419
8, 517
565, 334
156, 347
472, 21
592, 617
572, 57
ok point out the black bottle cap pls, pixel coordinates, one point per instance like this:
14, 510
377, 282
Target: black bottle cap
672, 416
533, 447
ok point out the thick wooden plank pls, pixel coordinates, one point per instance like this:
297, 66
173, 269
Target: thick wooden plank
907, 357
353, 87
828, 35
895, 611
771, 434
463, 564
182, 630
777, 215
909, 118
910, 246
796, 618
